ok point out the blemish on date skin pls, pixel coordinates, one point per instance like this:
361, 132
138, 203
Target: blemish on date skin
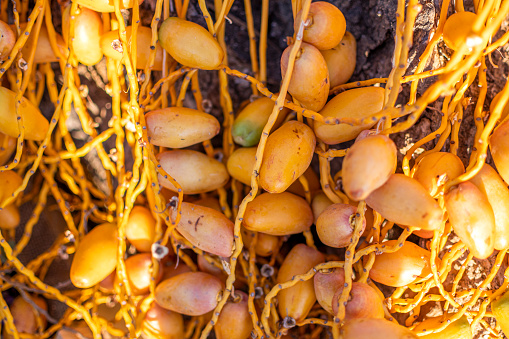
196, 223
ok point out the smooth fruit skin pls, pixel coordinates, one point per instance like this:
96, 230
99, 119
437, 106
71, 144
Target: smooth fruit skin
336, 224
499, 146
278, 214
106, 6
10, 181
207, 267
206, 228
88, 28
288, 154
354, 103
143, 44
363, 302
9, 217
44, 52
368, 164
404, 201
138, 273
234, 320
7, 40
191, 293
179, 127
402, 267
140, 228
326, 285
436, 164
460, 329
107, 285
7, 148
327, 25
241, 163
472, 218
310, 77
373, 328
423, 233
491, 184
505, 111
313, 184
190, 44
209, 202
296, 302
457, 27
169, 269
500, 309
249, 123
36, 125
194, 171
77, 330
341, 60
160, 323
319, 204
95, 257
24, 314
266, 244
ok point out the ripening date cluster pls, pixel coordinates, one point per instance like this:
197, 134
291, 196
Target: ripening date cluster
274, 152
